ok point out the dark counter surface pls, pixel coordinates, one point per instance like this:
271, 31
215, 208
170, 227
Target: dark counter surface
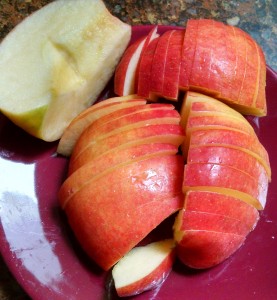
258, 18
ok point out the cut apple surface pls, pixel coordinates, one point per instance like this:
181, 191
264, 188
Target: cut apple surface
122, 211
52, 70
144, 268
91, 114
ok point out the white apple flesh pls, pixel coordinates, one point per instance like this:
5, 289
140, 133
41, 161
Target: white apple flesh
144, 268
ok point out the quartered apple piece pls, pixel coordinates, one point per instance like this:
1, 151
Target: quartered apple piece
118, 207
90, 115
144, 268
53, 70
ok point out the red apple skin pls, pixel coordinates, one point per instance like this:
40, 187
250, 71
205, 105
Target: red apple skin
196, 220
217, 203
217, 121
118, 207
230, 157
188, 53
173, 65
149, 38
261, 97
163, 133
143, 116
202, 77
232, 139
202, 249
152, 280
83, 120
94, 168
250, 83
214, 175
120, 76
145, 67
158, 65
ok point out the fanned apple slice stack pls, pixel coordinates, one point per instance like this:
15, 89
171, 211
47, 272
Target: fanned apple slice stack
208, 57
225, 182
123, 167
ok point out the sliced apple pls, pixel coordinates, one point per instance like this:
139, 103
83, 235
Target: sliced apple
163, 133
124, 78
188, 53
173, 65
94, 168
217, 203
221, 176
52, 70
126, 119
144, 69
202, 249
235, 158
158, 65
118, 207
91, 114
144, 268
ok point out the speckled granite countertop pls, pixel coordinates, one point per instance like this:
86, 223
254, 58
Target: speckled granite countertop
257, 17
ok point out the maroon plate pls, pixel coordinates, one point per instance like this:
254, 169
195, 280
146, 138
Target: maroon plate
43, 255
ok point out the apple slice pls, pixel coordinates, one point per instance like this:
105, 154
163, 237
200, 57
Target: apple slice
188, 53
92, 169
126, 119
198, 220
124, 78
53, 70
90, 115
221, 176
217, 203
202, 249
163, 133
158, 65
144, 69
232, 139
173, 65
144, 268
235, 158
118, 207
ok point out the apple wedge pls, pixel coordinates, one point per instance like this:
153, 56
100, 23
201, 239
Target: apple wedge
118, 207
217, 203
173, 66
94, 168
126, 119
200, 249
158, 66
162, 133
125, 78
52, 70
144, 69
235, 158
144, 268
90, 115
221, 177
232, 139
